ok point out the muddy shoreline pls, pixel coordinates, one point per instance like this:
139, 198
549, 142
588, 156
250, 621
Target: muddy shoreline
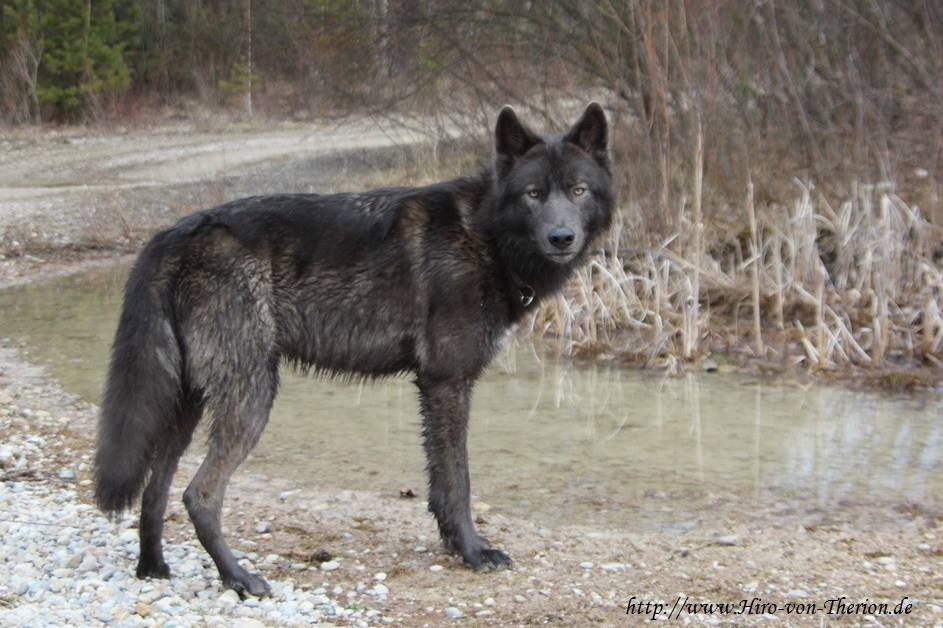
725, 548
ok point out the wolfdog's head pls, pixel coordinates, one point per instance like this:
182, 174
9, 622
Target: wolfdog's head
554, 192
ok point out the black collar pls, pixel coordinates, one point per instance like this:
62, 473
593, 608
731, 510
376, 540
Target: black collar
525, 293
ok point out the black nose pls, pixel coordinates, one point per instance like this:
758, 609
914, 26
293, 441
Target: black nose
562, 237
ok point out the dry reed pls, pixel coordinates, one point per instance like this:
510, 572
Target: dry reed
855, 285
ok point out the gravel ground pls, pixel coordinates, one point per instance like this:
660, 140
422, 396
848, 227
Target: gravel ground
66, 564
60, 565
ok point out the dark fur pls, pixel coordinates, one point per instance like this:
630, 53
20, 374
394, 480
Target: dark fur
421, 280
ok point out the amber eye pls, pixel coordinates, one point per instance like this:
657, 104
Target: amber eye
579, 190
535, 193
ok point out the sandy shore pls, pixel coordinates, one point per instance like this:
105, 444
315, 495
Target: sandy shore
365, 558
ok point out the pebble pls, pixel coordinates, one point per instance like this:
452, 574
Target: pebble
263, 527
6, 456
453, 613
489, 601
727, 540
128, 536
330, 565
380, 590
88, 564
586, 565
614, 567
67, 474
436, 568
380, 577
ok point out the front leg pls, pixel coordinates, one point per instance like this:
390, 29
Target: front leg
444, 404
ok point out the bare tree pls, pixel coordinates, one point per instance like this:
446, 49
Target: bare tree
248, 26
25, 57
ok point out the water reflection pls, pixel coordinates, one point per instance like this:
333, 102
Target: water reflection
559, 442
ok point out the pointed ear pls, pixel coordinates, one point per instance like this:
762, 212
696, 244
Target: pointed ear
511, 140
591, 133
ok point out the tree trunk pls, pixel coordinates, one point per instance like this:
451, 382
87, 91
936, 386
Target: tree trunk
249, 58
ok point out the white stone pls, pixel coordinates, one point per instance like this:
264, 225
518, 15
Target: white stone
128, 536
380, 590
229, 598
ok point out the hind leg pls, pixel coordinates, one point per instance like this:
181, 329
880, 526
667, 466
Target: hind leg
154, 501
235, 432
229, 329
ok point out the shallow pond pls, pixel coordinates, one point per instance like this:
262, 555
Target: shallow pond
549, 440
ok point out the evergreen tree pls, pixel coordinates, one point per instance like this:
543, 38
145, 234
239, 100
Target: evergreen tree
82, 47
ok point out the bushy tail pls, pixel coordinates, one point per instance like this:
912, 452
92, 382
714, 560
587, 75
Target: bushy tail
143, 391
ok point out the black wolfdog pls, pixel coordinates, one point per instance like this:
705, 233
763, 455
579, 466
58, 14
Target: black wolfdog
422, 280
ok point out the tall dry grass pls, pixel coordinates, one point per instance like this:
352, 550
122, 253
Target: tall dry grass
813, 283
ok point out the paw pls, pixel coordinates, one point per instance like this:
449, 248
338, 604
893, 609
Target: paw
488, 559
152, 569
247, 583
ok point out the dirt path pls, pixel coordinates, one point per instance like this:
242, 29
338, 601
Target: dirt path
71, 188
